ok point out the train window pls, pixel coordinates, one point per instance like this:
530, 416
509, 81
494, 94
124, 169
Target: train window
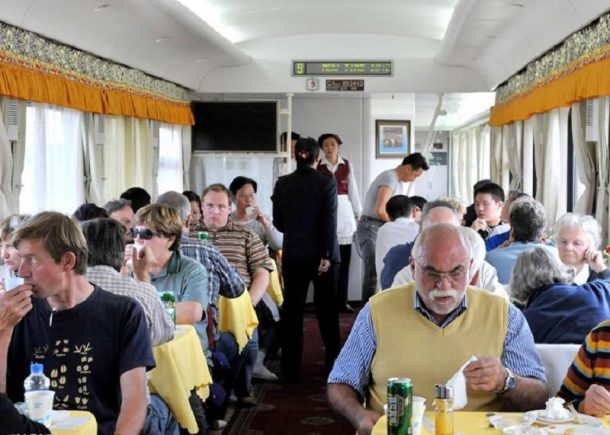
169, 173
53, 163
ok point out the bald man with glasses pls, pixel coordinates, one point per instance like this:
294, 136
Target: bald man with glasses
428, 329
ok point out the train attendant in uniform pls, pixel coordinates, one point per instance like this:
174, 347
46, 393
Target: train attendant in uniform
349, 208
305, 210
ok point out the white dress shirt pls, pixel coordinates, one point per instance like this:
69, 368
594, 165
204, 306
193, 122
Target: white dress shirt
402, 230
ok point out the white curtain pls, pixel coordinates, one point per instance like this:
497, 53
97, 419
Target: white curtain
7, 205
171, 167
53, 168
547, 162
93, 161
528, 157
584, 154
603, 158
496, 154
186, 156
470, 158
512, 143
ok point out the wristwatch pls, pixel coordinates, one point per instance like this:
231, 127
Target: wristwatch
509, 382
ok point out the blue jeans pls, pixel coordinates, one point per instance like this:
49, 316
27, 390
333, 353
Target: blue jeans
366, 237
159, 419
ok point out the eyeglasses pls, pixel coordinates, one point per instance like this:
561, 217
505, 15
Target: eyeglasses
144, 233
455, 275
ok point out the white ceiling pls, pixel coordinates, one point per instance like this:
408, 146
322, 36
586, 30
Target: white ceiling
451, 46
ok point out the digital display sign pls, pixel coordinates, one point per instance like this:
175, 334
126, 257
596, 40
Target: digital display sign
342, 68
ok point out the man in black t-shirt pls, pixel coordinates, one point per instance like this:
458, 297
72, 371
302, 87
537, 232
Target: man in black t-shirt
94, 345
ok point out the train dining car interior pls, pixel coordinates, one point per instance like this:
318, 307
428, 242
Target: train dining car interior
492, 107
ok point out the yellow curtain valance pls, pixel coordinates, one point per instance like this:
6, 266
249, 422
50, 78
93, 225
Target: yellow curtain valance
588, 82
38, 69
577, 69
26, 84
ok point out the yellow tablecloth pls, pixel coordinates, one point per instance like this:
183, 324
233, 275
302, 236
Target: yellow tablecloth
238, 317
181, 367
468, 423
89, 427
275, 288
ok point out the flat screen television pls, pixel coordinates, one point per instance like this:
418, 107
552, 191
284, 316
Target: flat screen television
235, 126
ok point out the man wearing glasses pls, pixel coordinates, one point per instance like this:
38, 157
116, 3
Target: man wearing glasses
428, 329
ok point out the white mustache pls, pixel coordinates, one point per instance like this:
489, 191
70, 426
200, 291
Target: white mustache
452, 293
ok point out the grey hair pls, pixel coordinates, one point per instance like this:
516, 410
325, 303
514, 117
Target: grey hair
477, 248
418, 247
116, 205
436, 204
535, 269
585, 223
457, 205
527, 220
178, 202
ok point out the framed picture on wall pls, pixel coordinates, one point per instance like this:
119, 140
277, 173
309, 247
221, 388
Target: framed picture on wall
392, 138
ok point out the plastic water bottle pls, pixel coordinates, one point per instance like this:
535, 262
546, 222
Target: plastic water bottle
37, 380
203, 237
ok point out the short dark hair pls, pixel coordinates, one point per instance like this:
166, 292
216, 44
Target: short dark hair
137, 196
89, 211
418, 201
239, 182
306, 151
493, 189
416, 161
106, 242
480, 184
293, 136
325, 136
399, 206
192, 197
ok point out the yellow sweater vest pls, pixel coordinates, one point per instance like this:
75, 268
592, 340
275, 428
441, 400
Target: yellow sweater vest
409, 345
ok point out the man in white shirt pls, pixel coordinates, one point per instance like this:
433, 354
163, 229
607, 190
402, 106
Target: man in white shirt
401, 228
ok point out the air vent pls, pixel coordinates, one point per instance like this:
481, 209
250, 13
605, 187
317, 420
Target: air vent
592, 121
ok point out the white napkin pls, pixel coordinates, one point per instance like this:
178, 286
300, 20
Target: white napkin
458, 383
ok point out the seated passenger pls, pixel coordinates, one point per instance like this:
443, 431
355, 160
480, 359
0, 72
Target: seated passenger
528, 220
483, 275
397, 257
471, 214
578, 238
586, 383
106, 250
196, 219
158, 229
418, 207
70, 321
453, 322
399, 230
488, 202
557, 311
8, 253
120, 210
498, 240
137, 197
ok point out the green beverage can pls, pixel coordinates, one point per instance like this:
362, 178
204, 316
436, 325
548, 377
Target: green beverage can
169, 301
400, 406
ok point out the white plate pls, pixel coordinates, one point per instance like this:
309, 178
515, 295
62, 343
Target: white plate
585, 420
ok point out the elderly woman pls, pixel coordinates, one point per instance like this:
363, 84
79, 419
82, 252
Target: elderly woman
9, 255
556, 310
578, 238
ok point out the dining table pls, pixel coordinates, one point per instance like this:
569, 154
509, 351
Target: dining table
181, 367
469, 423
73, 423
237, 316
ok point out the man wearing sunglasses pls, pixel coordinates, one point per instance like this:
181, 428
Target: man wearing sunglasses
428, 329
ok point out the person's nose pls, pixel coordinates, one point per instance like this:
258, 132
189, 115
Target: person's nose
24, 270
443, 283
